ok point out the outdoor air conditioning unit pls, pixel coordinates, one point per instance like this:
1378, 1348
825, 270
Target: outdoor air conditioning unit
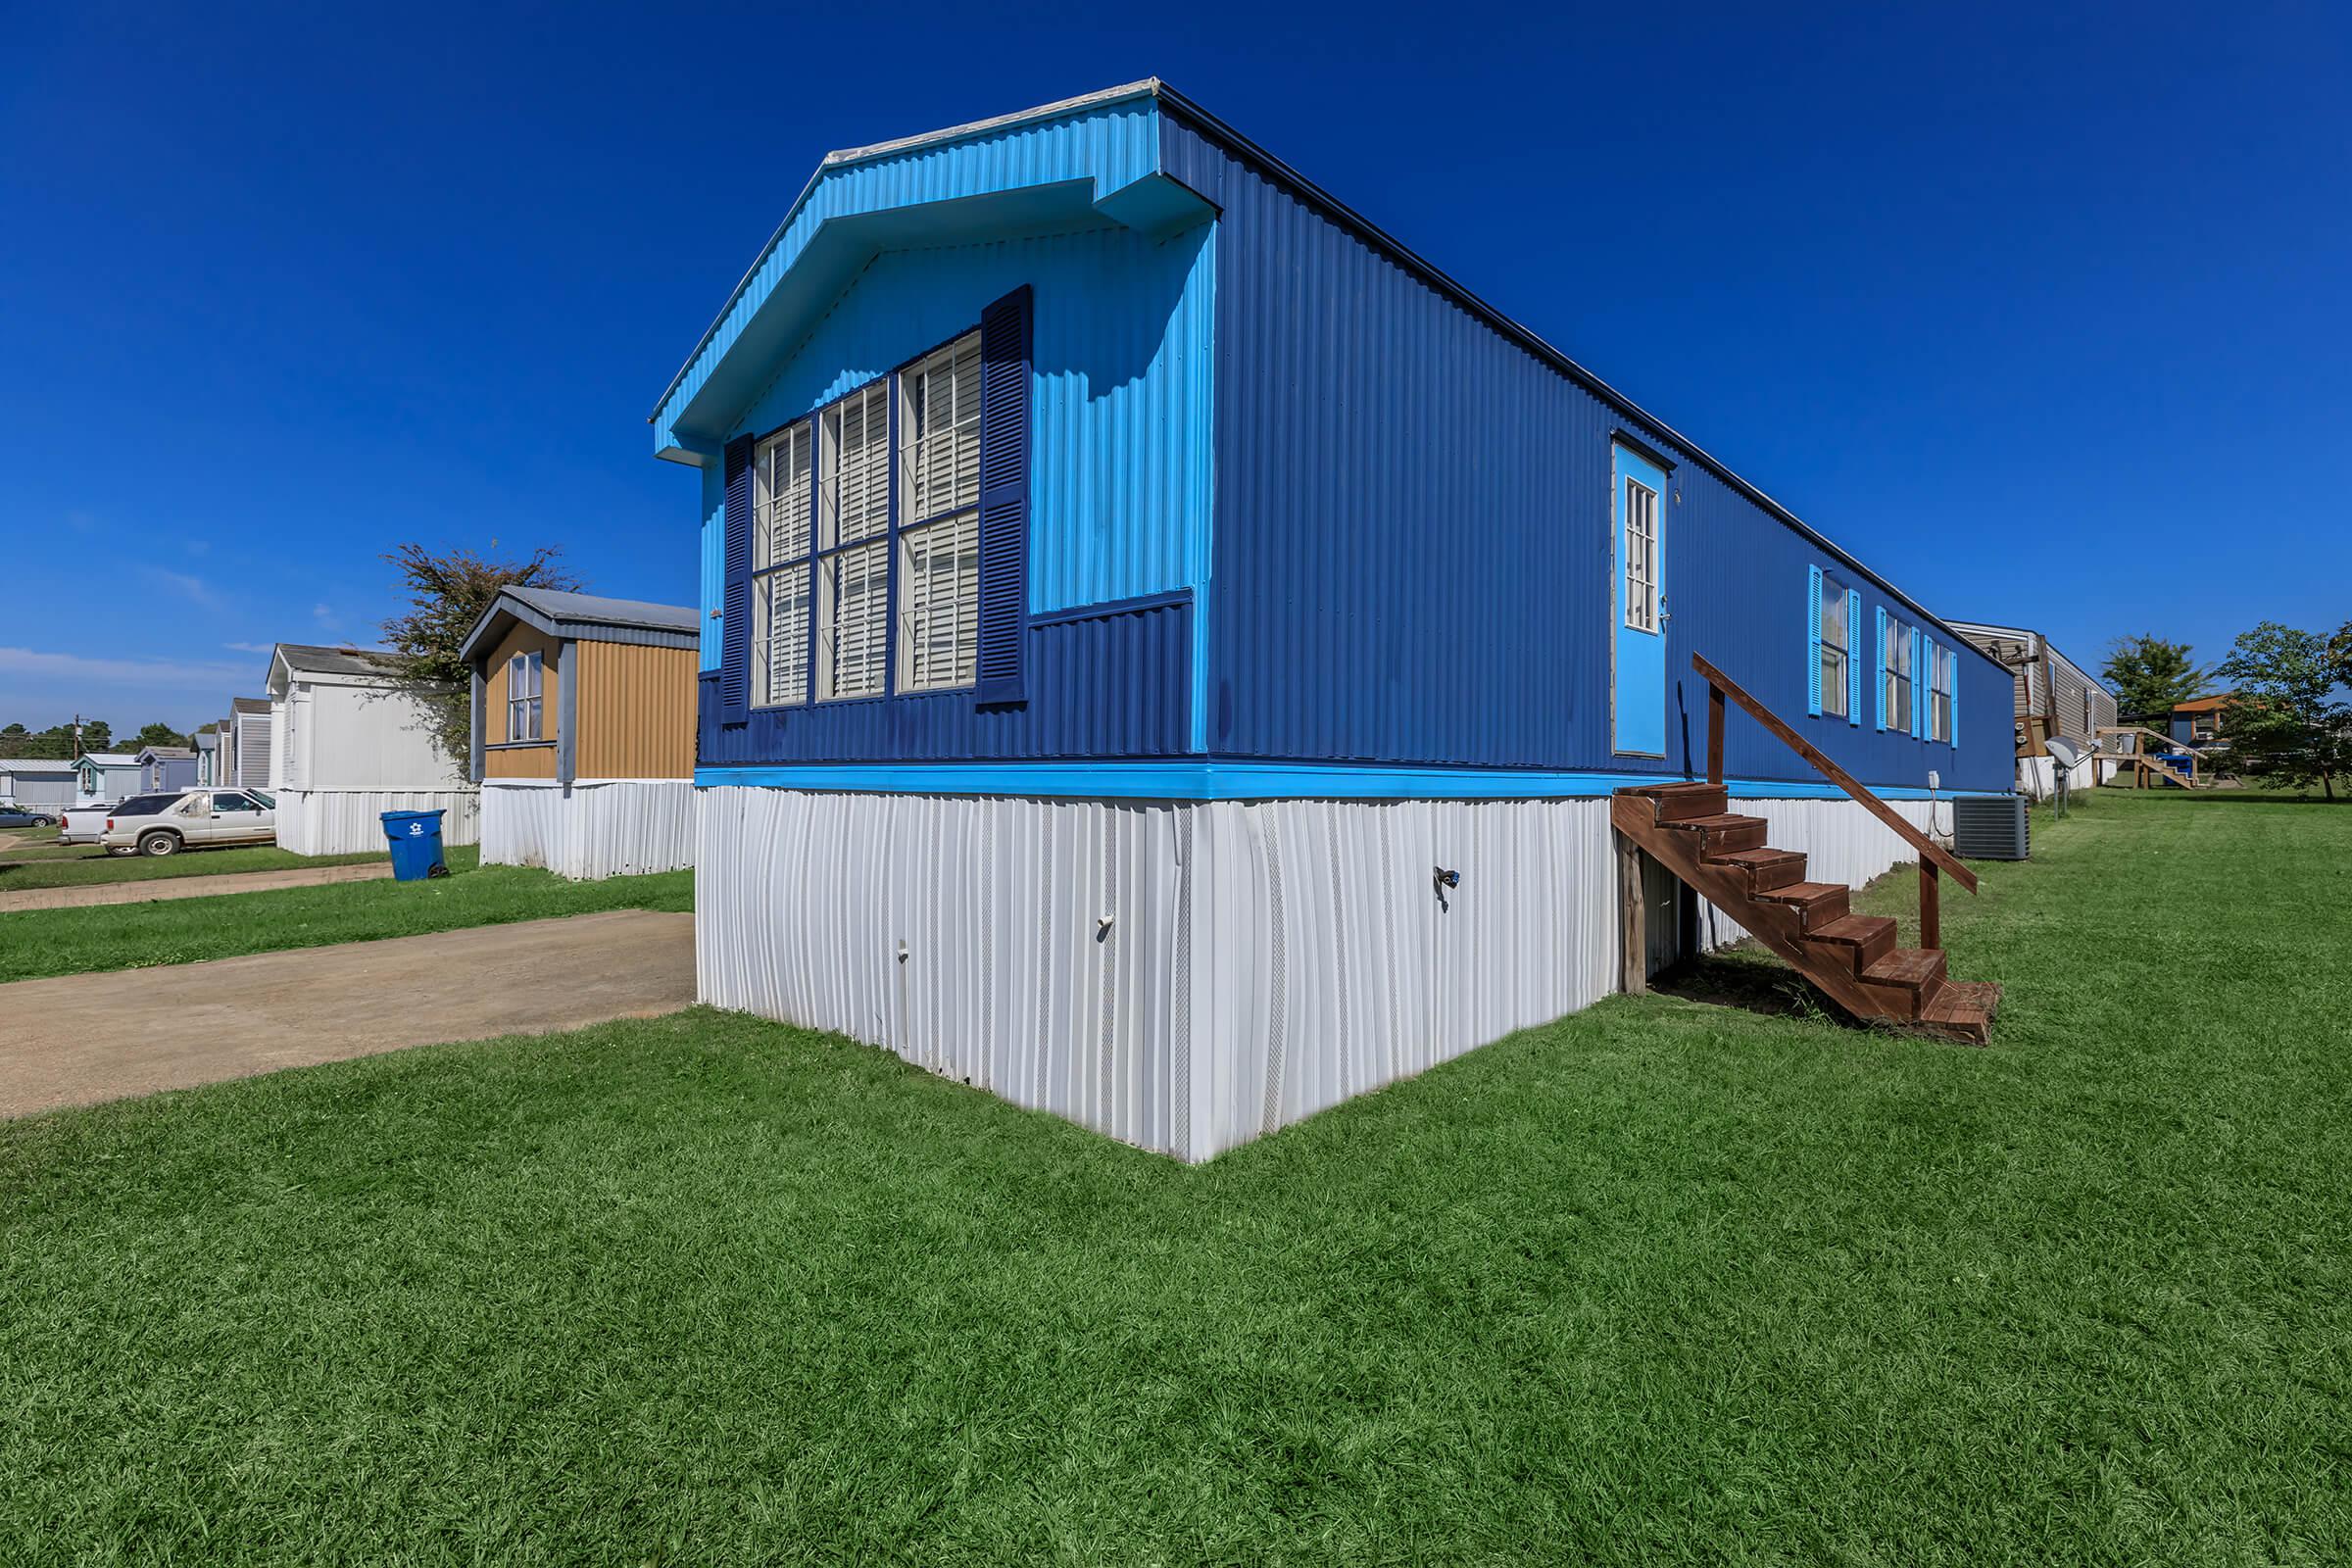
1990, 827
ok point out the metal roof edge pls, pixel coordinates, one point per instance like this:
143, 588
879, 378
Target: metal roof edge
845, 157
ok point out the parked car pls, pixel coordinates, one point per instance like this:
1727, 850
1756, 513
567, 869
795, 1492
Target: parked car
29, 816
191, 820
84, 824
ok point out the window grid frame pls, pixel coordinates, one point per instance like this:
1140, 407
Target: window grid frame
1836, 697
826, 546
761, 644
528, 709
1897, 677
1647, 573
911, 473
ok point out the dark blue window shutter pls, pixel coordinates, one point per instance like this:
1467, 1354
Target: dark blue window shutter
1005, 355
735, 606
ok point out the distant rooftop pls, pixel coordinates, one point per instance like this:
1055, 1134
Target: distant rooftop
341, 659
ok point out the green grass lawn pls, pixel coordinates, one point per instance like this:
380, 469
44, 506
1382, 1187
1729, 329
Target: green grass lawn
125, 936
79, 865
1661, 1283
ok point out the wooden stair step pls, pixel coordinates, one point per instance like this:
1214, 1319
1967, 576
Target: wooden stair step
1767, 868
1909, 968
1820, 903
1963, 1010
1681, 802
1724, 832
1861, 939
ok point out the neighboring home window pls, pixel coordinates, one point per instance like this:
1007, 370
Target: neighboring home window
1942, 671
780, 568
852, 563
1895, 660
939, 533
1641, 555
2088, 720
1837, 647
522, 698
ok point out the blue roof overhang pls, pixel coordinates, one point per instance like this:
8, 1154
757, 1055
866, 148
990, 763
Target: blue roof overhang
1087, 160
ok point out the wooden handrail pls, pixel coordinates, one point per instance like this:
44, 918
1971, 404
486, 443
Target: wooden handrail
1931, 853
2142, 729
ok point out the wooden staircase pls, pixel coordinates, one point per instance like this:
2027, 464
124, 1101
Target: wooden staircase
1853, 959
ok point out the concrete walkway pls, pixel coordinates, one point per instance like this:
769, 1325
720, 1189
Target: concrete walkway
187, 887
78, 1039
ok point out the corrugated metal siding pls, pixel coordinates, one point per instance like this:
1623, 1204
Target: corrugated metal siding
636, 711
254, 734
715, 560
1322, 964
523, 762
619, 827
804, 904
43, 786
1413, 530
1107, 145
349, 821
1110, 685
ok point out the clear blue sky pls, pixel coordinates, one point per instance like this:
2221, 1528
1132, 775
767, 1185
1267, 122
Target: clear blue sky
2044, 311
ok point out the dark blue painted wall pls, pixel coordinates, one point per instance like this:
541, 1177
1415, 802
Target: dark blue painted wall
1413, 529
1114, 683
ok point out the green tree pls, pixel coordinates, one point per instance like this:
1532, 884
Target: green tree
158, 733
449, 593
2149, 677
2283, 721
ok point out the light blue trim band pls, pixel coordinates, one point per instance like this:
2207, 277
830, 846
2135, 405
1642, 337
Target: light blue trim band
1222, 780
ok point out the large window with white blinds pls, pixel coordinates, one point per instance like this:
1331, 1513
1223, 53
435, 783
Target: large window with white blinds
939, 540
783, 513
852, 573
869, 502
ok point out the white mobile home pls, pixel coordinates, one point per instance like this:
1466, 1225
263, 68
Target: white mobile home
37, 783
348, 743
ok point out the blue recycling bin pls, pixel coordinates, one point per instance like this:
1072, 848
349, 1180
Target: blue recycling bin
416, 838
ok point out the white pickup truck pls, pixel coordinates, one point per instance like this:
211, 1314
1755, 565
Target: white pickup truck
191, 820
84, 824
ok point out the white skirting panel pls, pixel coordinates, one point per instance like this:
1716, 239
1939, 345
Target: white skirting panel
2038, 777
347, 822
1261, 960
592, 828
964, 935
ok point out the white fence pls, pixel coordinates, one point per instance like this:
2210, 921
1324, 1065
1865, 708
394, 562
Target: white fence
348, 821
591, 828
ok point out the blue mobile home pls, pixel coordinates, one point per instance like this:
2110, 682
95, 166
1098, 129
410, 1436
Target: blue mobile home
1130, 579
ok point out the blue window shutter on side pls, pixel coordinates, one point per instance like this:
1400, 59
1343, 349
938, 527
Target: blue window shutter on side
1853, 666
1919, 709
1005, 355
1877, 658
735, 608
1813, 643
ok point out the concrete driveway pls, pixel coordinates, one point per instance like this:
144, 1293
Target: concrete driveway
146, 891
78, 1039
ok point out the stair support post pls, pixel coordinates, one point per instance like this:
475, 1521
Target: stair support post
1632, 963
1714, 733
1931, 912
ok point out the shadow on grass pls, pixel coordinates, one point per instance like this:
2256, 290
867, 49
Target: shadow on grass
1753, 982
